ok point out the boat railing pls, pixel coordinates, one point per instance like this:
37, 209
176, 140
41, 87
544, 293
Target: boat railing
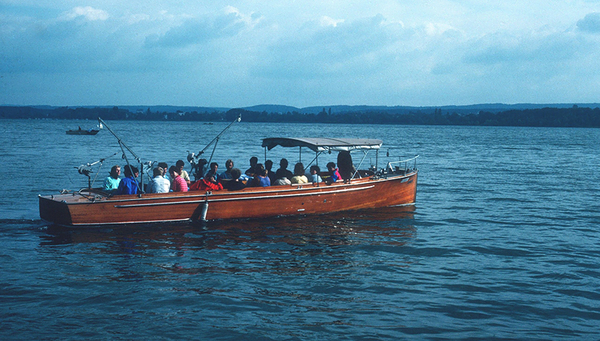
402, 166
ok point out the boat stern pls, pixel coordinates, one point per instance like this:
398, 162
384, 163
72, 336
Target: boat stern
54, 211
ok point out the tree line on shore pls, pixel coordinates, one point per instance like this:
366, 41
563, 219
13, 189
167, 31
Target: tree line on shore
543, 117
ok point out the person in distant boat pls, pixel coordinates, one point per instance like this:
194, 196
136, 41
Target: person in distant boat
251, 171
129, 184
111, 183
299, 177
334, 174
159, 184
178, 184
212, 175
314, 174
182, 172
283, 171
226, 175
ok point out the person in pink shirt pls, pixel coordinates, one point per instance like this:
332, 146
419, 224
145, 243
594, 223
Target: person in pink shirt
178, 184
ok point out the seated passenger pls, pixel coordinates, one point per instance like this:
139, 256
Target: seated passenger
282, 181
227, 173
299, 177
334, 175
111, 183
260, 177
314, 174
159, 184
283, 171
253, 162
178, 184
165, 168
199, 168
212, 175
184, 175
270, 173
234, 183
129, 185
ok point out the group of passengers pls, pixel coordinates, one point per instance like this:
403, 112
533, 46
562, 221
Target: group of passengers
176, 179
164, 179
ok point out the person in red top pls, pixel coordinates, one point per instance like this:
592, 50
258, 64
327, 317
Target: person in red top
178, 184
333, 172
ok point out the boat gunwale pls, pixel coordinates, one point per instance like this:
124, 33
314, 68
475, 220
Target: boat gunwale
239, 195
263, 197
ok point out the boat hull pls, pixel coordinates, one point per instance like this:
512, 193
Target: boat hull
82, 132
89, 209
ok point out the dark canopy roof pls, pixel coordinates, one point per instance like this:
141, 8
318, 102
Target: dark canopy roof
322, 144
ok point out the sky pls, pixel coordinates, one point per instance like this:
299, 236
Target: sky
299, 53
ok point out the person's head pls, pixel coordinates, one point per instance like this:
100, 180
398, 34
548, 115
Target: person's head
163, 165
299, 169
229, 164
235, 173
214, 166
180, 165
331, 166
259, 169
314, 169
115, 171
283, 163
253, 161
174, 171
268, 165
158, 171
131, 171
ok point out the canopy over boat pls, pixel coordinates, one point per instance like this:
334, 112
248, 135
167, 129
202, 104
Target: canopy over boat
323, 144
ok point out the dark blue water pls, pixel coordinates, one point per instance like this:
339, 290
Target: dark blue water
503, 244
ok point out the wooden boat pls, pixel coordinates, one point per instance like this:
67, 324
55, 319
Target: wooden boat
83, 132
393, 185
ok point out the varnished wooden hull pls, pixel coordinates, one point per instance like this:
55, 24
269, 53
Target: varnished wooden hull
256, 202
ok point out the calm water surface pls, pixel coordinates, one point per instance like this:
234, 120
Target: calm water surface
503, 243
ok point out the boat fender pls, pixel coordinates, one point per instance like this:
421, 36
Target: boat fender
204, 210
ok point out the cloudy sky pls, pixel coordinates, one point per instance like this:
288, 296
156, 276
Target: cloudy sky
301, 53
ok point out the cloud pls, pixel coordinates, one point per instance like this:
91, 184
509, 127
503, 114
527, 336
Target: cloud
591, 23
203, 29
293, 53
329, 47
89, 13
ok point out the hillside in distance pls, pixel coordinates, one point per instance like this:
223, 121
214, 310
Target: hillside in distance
534, 115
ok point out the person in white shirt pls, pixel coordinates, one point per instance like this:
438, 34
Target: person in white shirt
159, 184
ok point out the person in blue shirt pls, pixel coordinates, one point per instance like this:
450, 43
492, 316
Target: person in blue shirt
227, 173
129, 184
334, 174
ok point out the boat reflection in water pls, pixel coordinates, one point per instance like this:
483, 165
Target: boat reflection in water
283, 244
333, 229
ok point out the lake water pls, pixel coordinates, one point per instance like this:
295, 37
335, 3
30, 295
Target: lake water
502, 244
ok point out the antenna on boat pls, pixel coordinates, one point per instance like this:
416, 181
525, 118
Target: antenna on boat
193, 158
123, 147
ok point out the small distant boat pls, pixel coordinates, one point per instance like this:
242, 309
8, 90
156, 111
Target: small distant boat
83, 132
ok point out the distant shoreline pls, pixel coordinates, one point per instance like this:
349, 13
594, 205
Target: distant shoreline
529, 115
